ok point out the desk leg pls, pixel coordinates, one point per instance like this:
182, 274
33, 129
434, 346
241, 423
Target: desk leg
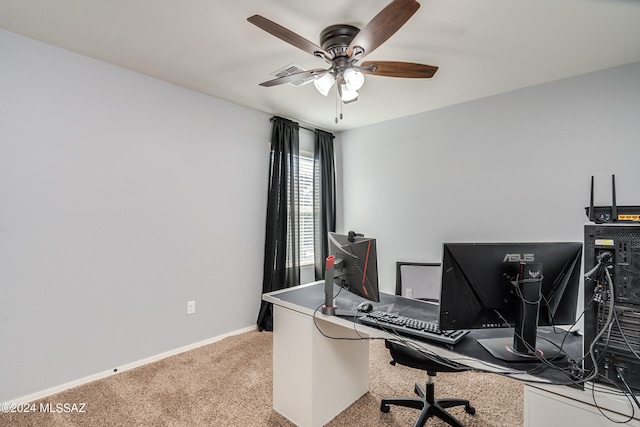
315, 378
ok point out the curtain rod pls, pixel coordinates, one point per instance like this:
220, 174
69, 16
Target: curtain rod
306, 128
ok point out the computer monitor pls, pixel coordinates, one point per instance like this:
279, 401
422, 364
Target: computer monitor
519, 285
352, 265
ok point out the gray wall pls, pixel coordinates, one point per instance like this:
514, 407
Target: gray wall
512, 167
116, 206
122, 197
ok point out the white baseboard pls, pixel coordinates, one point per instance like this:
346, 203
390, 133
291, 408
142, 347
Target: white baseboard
100, 375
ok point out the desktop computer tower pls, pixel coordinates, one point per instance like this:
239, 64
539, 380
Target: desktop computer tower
612, 311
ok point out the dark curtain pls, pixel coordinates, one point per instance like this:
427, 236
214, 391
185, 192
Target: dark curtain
281, 249
324, 200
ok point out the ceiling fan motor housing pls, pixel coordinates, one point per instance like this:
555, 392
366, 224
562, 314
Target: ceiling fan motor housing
336, 39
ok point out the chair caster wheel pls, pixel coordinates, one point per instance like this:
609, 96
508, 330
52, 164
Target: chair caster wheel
470, 410
384, 408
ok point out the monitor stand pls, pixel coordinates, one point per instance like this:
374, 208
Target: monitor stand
329, 308
519, 347
503, 349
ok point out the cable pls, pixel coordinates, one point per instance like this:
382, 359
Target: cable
595, 401
604, 291
621, 376
452, 363
592, 351
524, 302
547, 363
360, 338
448, 362
569, 372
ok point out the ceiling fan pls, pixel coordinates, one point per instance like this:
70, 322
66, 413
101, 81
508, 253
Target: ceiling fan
343, 47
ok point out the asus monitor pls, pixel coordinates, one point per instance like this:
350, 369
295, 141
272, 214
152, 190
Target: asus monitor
516, 285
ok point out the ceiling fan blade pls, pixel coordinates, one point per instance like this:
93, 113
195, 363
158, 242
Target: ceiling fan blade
293, 77
383, 25
399, 69
287, 35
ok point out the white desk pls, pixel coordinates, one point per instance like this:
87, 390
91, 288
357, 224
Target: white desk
562, 406
315, 378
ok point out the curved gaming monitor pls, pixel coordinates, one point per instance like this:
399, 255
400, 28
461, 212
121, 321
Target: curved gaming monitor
352, 265
519, 285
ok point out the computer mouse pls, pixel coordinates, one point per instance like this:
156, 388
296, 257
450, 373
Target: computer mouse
365, 307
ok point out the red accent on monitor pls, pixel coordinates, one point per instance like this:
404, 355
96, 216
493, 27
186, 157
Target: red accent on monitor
329, 262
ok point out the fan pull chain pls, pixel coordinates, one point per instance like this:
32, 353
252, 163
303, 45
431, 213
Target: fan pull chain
338, 101
336, 106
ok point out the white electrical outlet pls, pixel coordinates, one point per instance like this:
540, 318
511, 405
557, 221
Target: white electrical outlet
191, 307
408, 293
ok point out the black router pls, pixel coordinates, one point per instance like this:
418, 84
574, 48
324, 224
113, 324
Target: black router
613, 213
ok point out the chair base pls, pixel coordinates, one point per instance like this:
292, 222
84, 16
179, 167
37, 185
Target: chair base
430, 407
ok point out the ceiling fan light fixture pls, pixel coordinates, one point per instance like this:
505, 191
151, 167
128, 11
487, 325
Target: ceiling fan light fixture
353, 79
324, 83
342, 46
347, 95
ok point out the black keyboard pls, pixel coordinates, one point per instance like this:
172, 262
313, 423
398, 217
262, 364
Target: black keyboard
413, 327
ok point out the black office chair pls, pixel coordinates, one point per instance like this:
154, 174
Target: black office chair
430, 406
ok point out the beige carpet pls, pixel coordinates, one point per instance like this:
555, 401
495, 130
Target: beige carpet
228, 383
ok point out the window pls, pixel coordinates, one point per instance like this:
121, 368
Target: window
304, 221
305, 188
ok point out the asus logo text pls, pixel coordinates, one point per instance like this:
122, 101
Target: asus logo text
519, 258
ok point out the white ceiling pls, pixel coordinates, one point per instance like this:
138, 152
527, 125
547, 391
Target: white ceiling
483, 47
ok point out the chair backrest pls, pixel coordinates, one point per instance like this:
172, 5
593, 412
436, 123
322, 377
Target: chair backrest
419, 280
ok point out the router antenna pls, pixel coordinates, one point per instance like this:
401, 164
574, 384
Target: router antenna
614, 207
591, 218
